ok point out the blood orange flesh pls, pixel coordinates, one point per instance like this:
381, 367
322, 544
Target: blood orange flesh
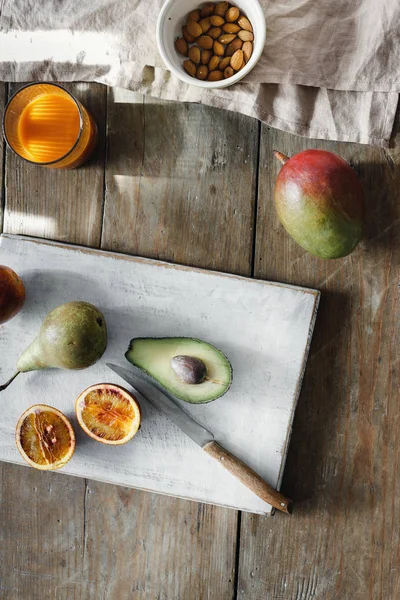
45, 437
108, 413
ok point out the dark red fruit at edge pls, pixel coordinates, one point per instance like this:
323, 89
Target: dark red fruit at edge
12, 294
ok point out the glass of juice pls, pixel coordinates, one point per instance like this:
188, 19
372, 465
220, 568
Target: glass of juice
44, 124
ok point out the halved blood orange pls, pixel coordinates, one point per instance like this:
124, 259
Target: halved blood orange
45, 437
108, 413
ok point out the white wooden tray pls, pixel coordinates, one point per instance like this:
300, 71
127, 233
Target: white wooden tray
264, 328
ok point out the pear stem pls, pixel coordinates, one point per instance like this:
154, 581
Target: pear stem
5, 385
281, 157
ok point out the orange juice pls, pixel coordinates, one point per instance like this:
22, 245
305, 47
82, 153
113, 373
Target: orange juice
49, 127
44, 124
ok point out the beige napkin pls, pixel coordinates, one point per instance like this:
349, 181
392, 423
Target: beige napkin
330, 68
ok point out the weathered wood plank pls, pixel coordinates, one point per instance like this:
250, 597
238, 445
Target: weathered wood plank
342, 540
42, 533
57, 204
180, 183
3, 96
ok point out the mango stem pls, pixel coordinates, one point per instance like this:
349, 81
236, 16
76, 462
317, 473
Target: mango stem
281, 157
5, 385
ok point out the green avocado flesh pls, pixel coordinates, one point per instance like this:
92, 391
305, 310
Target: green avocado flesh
153, 356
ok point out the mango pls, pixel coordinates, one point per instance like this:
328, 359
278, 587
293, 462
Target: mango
320, 202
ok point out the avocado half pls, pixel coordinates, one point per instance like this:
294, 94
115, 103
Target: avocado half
153, 356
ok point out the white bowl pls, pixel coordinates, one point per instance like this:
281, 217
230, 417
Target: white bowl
169, 27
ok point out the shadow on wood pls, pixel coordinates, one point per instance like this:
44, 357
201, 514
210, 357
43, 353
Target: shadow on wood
381, 183
317, 407
180, 172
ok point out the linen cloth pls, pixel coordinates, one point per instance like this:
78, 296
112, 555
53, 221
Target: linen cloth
329, 70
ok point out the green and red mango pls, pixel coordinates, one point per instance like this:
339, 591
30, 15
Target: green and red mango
320, 202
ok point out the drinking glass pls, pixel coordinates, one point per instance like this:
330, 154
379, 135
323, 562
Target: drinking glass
46, 125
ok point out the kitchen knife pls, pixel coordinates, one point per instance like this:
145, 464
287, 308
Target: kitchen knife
166, 403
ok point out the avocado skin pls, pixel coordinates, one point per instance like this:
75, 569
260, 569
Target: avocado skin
159, 384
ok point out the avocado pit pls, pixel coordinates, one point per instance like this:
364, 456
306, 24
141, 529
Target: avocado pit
189, 369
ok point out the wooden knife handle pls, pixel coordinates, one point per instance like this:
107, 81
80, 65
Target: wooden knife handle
248, 477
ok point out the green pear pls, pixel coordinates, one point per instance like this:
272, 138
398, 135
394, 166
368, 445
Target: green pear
72, 336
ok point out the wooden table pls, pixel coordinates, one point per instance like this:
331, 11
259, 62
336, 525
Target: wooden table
193, 185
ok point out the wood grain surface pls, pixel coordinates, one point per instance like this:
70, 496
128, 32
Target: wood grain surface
248, 477
342, 541
43, 514
342, 470
170, 172
180, 183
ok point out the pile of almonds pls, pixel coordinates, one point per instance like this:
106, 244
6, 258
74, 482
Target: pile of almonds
222, 39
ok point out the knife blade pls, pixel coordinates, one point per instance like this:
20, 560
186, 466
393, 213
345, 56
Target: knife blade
166, 404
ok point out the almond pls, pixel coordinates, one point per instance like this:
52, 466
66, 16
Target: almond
194, 29
194, 54
189, 38
215, 76
233, 46
214, 63
221, 8
245, 23
237, 60
205, 24
223, 41
224, 63
231, 28
208, 9
214, 32
195, 16
247, 49
218, 48
246, 36
181, 46
202, 72
205, 56
217, 21
205, 42
232, 14
226, 38
189, 67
